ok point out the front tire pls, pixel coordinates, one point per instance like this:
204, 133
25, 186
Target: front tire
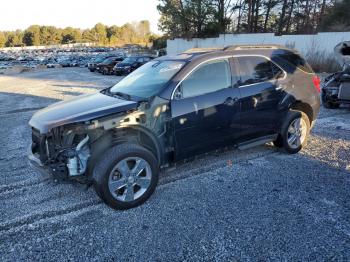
294, 132
126, 176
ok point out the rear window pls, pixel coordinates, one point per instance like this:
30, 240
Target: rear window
297, 61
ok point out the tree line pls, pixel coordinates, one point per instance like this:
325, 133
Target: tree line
129, 33
208, 18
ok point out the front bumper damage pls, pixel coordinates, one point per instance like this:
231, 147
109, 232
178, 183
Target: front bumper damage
62, 160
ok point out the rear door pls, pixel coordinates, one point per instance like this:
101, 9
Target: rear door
261, 87
203, 108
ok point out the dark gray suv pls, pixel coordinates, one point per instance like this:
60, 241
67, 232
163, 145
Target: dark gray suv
172, 108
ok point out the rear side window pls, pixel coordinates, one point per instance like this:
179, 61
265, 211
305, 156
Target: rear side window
296, 61
256, 69
207, 78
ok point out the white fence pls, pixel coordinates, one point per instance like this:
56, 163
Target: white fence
323, 42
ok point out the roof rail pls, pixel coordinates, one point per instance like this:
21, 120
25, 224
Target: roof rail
245, 47
201, 50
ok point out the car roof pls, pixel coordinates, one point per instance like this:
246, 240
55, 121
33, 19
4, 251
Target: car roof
202, 53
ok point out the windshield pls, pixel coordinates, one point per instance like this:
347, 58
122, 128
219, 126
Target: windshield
129, 60
99, 59
107, 60
148, 79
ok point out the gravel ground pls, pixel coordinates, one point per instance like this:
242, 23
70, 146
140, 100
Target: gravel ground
229, 205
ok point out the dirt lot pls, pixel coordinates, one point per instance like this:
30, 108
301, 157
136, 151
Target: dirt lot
265, 205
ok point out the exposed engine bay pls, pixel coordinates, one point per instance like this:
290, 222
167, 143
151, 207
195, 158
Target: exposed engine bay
63, 150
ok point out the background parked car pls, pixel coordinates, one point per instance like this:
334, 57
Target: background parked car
92, 66
52, 65
106, 67
131, 63
65, 63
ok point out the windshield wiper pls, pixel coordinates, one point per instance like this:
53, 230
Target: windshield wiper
122, 95
108, 92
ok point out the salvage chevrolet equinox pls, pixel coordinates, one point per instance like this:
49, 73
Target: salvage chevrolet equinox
172, 108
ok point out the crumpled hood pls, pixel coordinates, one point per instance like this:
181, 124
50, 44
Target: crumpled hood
342, 52
81, 108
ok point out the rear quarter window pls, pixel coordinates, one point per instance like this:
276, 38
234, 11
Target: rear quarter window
256, 69
297, 61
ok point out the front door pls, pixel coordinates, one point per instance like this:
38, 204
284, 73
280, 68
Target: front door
203, 109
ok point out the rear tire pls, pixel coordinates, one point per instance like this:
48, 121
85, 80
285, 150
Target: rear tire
125, 176
294, 132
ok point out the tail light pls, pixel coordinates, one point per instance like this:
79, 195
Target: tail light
317, 83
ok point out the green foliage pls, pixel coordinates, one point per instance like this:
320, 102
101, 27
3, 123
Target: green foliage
338, 17
14, 39
208, 18
70, 35
50, 35
158, 42
2, 39
193, 18
100, 33
135, 33
32, 35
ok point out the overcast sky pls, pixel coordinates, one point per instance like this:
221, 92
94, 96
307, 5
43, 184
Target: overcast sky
19, 14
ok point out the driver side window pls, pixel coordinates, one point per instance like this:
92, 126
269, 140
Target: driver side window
207, 78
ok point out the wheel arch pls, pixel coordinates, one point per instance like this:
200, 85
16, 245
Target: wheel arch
134, 134
303, 107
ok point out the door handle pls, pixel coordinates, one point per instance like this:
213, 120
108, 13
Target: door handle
230, 101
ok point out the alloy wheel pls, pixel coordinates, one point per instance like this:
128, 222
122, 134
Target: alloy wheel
297, 132
130, 179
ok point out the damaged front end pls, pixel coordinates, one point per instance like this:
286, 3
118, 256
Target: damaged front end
64, 151
70, 150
